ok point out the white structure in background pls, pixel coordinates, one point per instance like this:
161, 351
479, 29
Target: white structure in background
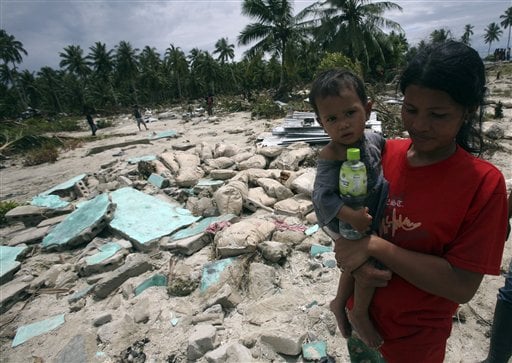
302, 126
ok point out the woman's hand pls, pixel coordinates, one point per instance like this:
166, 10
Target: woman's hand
351, 254
370, 276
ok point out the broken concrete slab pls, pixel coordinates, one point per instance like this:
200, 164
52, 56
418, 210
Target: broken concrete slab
106, 251
29, 236
99, 149
82, 225
31, 215
207, 184
12, 292
193, 238
109, 257
201, 340
52, 221
80, 294
144, 219
67, 185
135, 265
155, 280
163, 135
141, 158
285, 342
80, 349
319, 249
158, 181
212, 272
314, 351
49, 201
30, 331
8, 262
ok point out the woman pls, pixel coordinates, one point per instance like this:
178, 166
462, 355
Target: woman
445, 220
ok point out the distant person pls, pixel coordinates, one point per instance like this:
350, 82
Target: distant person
209, 104
91, 123
138, 117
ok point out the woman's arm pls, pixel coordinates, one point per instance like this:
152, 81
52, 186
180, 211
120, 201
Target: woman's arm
431, 273
427, 272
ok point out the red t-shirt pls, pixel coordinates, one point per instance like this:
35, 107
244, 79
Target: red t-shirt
456, 209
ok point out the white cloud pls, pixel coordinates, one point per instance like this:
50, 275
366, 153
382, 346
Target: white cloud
45, 27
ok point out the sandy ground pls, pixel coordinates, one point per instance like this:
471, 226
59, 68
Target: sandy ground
469, 340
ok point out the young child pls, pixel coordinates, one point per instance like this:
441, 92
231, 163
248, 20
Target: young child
339, 100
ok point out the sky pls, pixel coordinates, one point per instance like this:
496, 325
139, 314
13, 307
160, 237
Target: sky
46, 27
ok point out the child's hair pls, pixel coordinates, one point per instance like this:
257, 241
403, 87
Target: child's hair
332, 81
458, 70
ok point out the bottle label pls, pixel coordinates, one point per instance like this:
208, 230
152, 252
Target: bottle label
353, 181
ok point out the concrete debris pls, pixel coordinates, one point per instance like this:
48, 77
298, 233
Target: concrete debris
191, 243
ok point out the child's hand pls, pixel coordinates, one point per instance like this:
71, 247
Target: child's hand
360, 219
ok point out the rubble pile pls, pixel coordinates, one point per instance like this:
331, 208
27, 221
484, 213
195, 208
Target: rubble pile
202, 254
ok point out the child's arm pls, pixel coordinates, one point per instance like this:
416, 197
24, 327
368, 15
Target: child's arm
359, 219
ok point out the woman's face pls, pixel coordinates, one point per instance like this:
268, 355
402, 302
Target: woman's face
343, 117
432, 119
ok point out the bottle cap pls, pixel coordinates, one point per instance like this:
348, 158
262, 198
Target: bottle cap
353, 154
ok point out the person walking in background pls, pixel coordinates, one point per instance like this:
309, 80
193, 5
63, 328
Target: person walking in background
500, 349
209, 104
91, 123
138, 117
444, 225
339, 99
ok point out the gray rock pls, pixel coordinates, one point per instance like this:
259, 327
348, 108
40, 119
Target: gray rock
201, 341
133, 266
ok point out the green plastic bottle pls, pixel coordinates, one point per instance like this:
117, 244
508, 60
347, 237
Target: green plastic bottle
353, 188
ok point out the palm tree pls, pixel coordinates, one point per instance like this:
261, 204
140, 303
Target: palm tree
275, 28
11, 51
150, 73
27, 84
352, 26
468, 32
492, 33
102, 62
440, 35
48, 84
226, 51
74, 62
127, 69
205, 71
507, 23
176, 63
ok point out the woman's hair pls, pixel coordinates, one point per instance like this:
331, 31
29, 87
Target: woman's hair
332, 81
458, 70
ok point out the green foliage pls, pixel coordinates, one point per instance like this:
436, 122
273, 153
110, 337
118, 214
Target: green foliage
47, 153
6, 206
233, 104
338, 60
265, 107
102, 123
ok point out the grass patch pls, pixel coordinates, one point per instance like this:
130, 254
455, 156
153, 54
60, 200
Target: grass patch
47, 153
265, 107
6, 206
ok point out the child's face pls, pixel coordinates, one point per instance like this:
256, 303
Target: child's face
343, 117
